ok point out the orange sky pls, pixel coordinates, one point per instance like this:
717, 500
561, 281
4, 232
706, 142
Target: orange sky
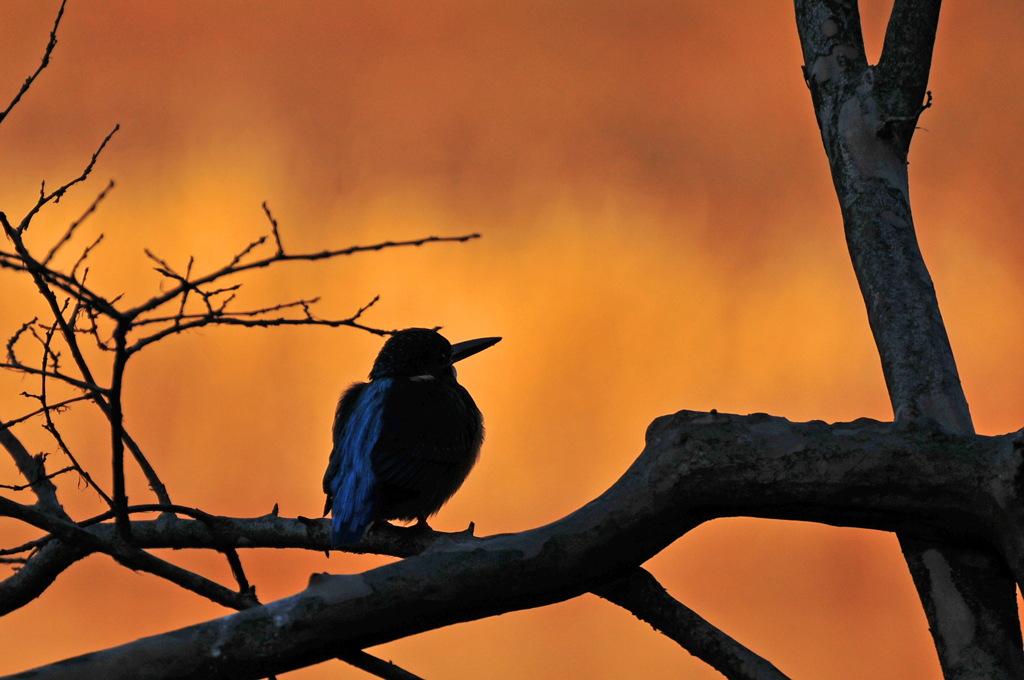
659, 233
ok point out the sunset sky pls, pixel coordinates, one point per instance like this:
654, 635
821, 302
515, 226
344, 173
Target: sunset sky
659, 232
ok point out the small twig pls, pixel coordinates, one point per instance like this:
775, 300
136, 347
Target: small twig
84, 255
155, 484
245, 251
33, 469
63, 282
115, 416
204, 517
885, 129
640, 593
25, 547
184, 295
55, 433
235, 562
46, 61
47, 351
59, 406
17, 336
51, 475
375, 666
74, 382
255, 312
234, 268
39, 275
94, 330
273, 227
58, 193
365, 307
232, 319
74, 225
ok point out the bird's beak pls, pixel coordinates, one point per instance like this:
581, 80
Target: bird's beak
468, 348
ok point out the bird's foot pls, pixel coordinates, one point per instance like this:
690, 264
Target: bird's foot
421, 525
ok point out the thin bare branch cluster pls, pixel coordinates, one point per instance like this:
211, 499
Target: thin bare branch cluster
81, 353
955, 499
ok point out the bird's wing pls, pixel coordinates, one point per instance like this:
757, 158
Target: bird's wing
346, 405
350, 482
431, 428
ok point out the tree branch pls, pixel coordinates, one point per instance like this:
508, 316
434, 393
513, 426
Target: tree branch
45, 62
125, 554
867, 117
74, 225
33, 469
905, 64
211, 532
641, 594
234, 267
696, 466
375, 666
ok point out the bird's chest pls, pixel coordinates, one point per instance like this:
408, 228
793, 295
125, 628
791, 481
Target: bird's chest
429, 411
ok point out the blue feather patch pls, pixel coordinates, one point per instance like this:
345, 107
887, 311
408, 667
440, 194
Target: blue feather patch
354, 487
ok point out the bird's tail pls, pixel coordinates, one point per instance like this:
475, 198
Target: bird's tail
352, 510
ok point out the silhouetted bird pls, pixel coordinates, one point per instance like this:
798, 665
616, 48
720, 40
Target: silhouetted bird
405, 441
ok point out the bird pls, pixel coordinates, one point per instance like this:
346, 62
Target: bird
405, 441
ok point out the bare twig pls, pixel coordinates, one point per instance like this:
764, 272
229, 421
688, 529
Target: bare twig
90, 388
129, 556
640, 593
13, 341
273, 227
45, 62
58, 193
59, 406
51, 427
38, 272
234, 267
33, 469
57, 279
375, 666
74, 225
115, 416
84, 255
216, 318
235, 562
25, 547
184, 295
51, 475
154, 480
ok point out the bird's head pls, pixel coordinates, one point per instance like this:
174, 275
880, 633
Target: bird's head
422, 352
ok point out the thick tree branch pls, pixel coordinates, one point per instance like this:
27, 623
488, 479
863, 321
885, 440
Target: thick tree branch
26, 584
210, 532
642, 595
33, 469
905, 64
913, 477
867, 117
128, 555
